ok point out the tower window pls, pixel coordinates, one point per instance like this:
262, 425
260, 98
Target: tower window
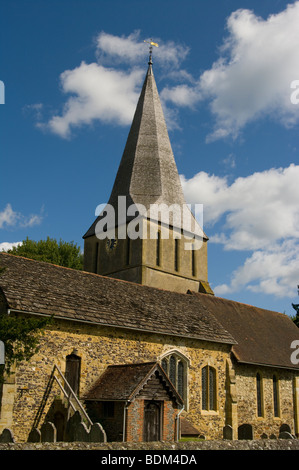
176, 254
128, 253
208, 383
193, 262
158, 249
96, 258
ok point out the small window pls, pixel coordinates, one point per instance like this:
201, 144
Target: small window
259, 395
128, 253
208, 383
158, 249
176, 254
193, 262
275, 396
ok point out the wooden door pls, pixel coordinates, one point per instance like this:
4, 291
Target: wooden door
152, 421
72, 372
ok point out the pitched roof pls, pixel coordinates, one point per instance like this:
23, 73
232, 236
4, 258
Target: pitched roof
147, 173
125, 381
262, 336
43, 288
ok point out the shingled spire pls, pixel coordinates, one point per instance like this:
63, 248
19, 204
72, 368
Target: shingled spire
147, 181
147, 173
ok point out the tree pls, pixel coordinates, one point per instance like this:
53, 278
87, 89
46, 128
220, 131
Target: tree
61, 253
20, 336
295, 318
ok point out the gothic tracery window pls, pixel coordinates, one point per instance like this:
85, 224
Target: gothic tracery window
176, 367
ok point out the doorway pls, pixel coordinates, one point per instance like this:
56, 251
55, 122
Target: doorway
72, 372
152, 421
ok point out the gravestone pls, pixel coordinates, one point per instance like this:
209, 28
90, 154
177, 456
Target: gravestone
245, 431
71, 426
228, 432
285, 428
6, 436
34, 435
97, 433
285, 435
48, 432
81, 432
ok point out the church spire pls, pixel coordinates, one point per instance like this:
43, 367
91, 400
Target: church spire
149, 249
147, 172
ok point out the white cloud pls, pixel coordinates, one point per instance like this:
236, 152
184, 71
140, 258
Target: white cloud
8, 216
103, 91
11, 218
273, 271
97, 93
133, 49
5, 246
257, 213
252, 78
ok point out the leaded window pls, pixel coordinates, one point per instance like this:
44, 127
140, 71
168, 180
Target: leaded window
208, 383
176, 367
259, 395
275, 396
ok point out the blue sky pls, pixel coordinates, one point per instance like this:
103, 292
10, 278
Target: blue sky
73, 71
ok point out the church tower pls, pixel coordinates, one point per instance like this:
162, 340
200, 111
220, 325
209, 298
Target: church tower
146, 233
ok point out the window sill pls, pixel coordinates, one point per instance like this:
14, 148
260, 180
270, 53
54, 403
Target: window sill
209, 412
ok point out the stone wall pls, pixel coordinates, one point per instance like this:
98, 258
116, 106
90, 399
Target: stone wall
247, 402
262, 444
99, 347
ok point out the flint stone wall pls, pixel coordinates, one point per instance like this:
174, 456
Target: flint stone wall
262, 444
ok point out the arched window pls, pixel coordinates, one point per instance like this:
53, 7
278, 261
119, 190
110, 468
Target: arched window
176, 367
259, 395
275, 396
208, 383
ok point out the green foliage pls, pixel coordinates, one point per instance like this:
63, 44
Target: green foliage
63, 253
20, 336
295, 318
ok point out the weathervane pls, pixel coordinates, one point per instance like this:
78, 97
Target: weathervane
151, 44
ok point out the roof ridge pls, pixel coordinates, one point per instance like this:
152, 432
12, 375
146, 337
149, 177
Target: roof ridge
197, 294
113, 279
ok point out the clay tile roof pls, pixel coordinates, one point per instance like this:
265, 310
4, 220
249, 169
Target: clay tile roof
262, 336
125, 381
43, 288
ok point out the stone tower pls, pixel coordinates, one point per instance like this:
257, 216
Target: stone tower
144, 234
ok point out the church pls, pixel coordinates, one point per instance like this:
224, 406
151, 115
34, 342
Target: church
139, 343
